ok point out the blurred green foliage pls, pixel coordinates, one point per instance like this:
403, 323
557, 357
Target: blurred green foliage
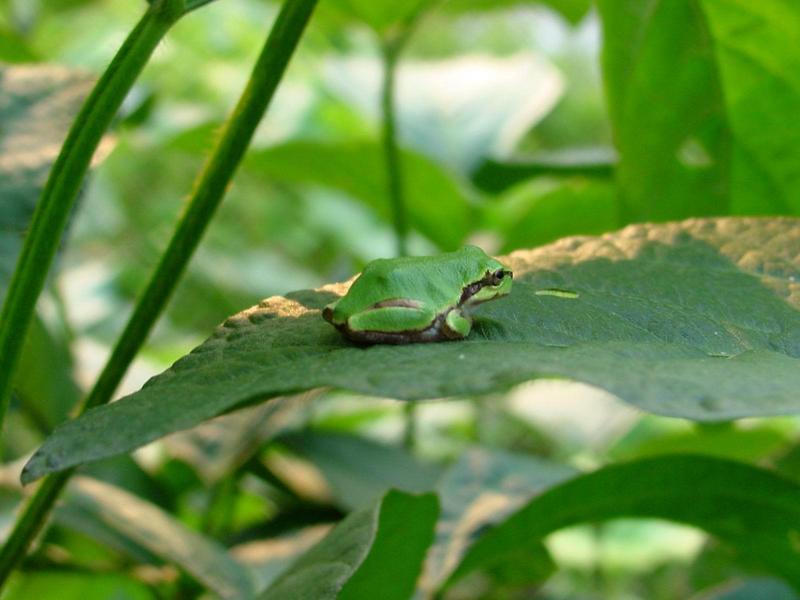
518, 125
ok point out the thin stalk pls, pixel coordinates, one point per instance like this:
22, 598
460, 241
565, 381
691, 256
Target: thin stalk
62, 187
394, 173
392, 48
210, 187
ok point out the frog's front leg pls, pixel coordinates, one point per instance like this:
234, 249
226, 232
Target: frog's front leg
459, 324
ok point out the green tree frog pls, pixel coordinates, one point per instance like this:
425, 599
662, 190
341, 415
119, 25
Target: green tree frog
418, 299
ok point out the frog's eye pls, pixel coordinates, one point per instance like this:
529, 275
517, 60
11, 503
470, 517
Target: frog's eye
499, 275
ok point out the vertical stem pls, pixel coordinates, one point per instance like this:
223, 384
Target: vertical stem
63, 184
394, 179
395, 185
410, 431
210, 187
394, 174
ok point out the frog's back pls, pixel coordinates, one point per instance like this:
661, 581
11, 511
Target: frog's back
438, 280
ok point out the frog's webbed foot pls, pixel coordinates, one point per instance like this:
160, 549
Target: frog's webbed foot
458, 324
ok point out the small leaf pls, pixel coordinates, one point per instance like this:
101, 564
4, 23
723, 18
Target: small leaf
697, 319
754, 510
152, 528
381, 548
361, 471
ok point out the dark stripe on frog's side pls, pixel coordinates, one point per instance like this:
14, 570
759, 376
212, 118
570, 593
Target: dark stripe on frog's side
435, 332
473, 288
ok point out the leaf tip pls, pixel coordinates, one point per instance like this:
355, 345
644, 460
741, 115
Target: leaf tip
32, 470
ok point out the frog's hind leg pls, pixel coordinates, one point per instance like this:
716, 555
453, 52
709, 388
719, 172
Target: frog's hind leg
391, 319
458, 324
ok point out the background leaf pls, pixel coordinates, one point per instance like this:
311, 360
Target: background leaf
378, 548
357, 169
479, 490
699, 94
572, 10
152, 528
683, 319
77, 586
752, 509
36, 108
361, 471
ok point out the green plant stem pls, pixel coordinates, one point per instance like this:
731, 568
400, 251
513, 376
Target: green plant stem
208, 192
30, 522
394, 180
394, 173
62, 187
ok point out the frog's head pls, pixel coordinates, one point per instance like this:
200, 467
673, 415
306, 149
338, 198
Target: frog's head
495, 282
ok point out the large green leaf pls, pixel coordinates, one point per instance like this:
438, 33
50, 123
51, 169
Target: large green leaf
754, 510
381, 548
436, 205
703, 95
697, 319
147, 525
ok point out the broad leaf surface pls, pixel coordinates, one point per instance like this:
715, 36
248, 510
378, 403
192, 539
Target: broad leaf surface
702, 96
147, 525
359, 470
697, 319
480, 490
380, 548
753, 510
